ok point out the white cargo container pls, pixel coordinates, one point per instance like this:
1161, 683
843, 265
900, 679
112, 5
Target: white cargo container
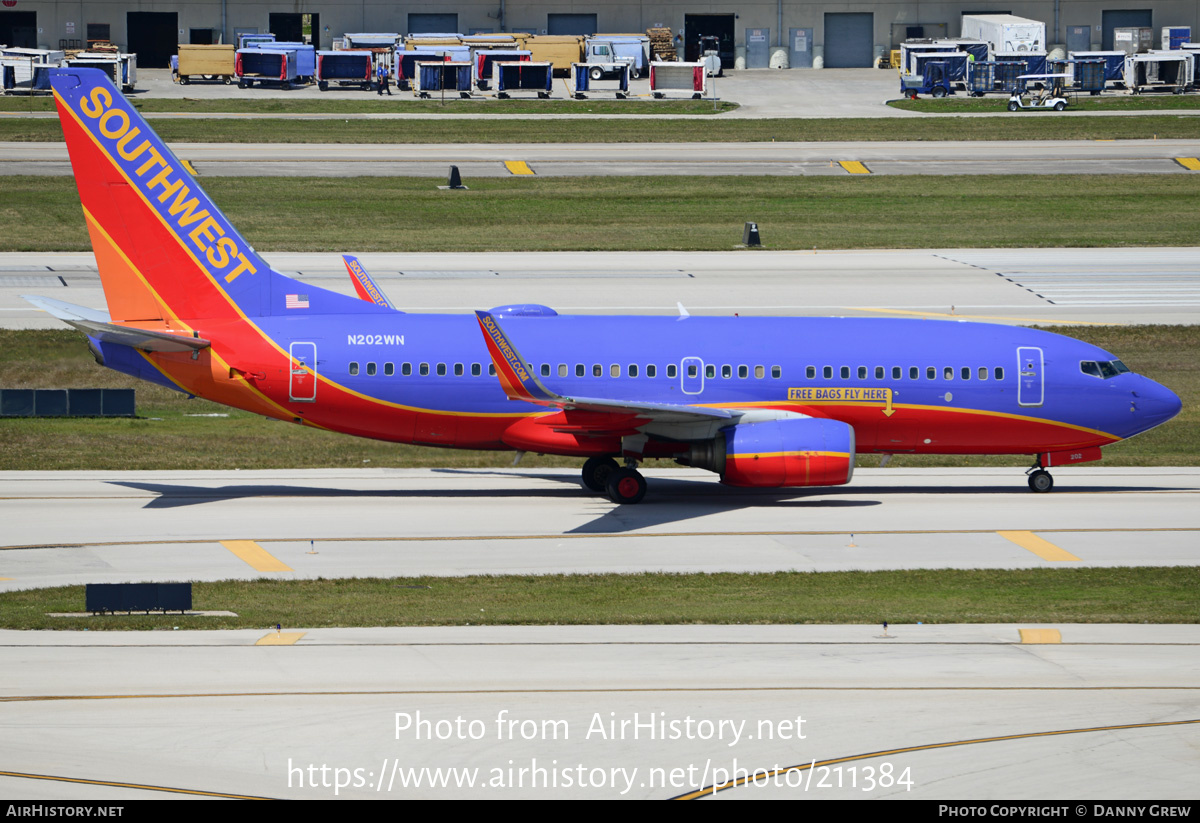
1172, 69
1005, 32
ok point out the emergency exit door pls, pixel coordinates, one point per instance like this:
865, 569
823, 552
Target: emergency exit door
1030, 376
302, 380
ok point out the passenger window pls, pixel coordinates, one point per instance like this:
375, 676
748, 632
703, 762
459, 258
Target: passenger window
632, 371
966, 372
597, 370
491, 369
948, 373
759, 372
879, 372
406, 369
810, 372
476, 370
562, 369
982, 372
826, 372
727, 372
389, 369
744, 371
913, 373
776, 372
615, 370
545, 370
354, 368
370, 368
424, 369
580, 370
930, 373
441, 369
458, 370
710, 370
862, 372
896, 372
998, 373
672, 370
651, 370
844, 372
693, 370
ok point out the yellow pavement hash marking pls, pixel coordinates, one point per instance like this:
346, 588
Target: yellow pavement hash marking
255, 556
1042, 548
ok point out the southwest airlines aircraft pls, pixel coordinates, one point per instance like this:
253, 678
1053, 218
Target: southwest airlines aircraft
761, 401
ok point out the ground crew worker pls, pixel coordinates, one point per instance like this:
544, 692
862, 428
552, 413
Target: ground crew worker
382, 73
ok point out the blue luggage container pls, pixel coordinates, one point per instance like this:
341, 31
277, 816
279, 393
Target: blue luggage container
346, 68
406, 65
306, 58
265, 66
442, 76
522, 76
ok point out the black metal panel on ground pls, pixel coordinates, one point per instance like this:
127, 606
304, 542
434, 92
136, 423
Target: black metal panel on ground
567, 24
86, 402
138, 597
1120, 19
50, 402
849, 40
432, 23
152, 37
118, 403
16, 402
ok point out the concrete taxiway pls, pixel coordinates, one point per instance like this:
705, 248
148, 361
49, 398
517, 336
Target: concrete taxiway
822, 712
1041, 157
78, 527
1047, 286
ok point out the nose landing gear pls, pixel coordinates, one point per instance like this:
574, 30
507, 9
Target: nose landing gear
1039, 479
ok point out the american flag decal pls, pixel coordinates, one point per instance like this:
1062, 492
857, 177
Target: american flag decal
297, 301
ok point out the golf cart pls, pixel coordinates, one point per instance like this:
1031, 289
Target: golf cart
1051, 95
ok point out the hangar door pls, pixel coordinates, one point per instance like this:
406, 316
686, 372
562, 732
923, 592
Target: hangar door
849, 40
568, 24
1122, 19
152, 36
432, 23
18, 29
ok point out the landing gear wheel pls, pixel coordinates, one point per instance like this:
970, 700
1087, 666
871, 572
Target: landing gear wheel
1041, 481
596, 471
626, 486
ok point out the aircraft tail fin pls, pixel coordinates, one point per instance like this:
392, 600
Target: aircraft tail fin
164, 250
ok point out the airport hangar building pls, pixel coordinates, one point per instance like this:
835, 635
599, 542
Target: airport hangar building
841, 34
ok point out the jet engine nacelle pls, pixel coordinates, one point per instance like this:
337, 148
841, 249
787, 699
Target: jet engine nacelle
806, 452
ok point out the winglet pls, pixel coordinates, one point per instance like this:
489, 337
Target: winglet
518, 382
363, 284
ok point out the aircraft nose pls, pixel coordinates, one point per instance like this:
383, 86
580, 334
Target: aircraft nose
1156, 402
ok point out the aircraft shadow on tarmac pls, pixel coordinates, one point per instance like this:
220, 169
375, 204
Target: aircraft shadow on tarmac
669, 501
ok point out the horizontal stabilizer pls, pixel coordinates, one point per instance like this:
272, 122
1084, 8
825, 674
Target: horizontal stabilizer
94, 323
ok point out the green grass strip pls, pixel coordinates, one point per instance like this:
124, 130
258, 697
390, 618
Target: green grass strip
1080, 595
699, 130
656, 213
164, 437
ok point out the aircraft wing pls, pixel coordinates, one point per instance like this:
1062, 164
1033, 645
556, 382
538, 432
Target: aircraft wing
519, 384
96, 324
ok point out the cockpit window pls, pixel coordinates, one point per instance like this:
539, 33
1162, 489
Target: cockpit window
1103, 369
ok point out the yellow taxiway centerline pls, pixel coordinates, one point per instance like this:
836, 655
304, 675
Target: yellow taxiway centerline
255, 556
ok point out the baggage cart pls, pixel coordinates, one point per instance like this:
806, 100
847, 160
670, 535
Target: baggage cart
265, 67
217, 62
441, 76
690, 78
583, 81
522, 75
344, 68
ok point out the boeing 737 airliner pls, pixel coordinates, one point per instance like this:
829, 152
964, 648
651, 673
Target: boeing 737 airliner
768, 402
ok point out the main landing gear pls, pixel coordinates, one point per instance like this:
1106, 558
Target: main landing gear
621, 484
1039, 479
